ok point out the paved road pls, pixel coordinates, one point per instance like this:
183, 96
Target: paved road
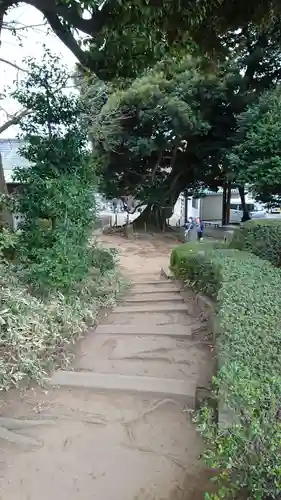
274, 216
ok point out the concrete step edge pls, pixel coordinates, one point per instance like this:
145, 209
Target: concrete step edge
152, 291
150, 282
151, 308
126, 383
150, 300
151, 330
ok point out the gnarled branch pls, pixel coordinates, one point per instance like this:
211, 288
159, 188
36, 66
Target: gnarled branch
14, 120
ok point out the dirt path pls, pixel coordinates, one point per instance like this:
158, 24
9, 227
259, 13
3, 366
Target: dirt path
118, 427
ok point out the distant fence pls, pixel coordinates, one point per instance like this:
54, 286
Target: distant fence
103, 221
122, 218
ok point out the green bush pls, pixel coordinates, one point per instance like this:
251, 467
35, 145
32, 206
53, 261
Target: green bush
8, 243
183, 251
103, 259
261, 237
246, 452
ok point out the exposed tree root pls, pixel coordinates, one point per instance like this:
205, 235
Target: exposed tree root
8, 425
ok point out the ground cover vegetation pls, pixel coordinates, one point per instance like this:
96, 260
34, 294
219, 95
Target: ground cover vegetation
54, 276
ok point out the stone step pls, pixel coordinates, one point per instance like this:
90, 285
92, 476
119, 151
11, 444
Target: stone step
154, 356
164, 307
153, 289
166, 273
156, 275
141, 298
126, 383
166, 330
151, 318
142, 278
159, 283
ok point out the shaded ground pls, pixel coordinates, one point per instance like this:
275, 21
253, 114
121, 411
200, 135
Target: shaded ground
114, 444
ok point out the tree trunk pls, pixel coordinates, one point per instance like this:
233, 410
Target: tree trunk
226, 197
153, 217
223, 219
246, 216
6, 218
228, 200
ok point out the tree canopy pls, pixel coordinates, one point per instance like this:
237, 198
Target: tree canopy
164, 133
172, 128
256, 155
126, 34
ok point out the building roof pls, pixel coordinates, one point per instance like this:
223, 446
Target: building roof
11, 158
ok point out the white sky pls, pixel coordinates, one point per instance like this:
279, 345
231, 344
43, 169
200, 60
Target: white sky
15, 50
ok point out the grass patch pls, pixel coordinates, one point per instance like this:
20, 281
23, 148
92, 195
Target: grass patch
246, 453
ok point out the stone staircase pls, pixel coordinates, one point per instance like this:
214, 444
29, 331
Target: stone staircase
118, 425
148, 344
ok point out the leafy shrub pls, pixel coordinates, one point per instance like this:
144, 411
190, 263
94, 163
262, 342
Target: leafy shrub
54, 259
35, 333
246, 452
56, 194
103, 259
261, 237
58, 267
183, 251
8, 242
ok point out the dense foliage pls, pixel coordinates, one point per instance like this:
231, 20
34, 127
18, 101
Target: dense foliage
255, 157
124, 37
174, 127
55, 197
53, 275
166, 132
244, 450
262, 238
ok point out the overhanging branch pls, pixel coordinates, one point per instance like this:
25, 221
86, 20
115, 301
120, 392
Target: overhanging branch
14, 120
63, 18
70, 15
13, 65
65, 36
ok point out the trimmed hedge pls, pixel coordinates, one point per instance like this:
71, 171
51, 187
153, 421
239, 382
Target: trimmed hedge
261, 237
246, 454
183, 251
